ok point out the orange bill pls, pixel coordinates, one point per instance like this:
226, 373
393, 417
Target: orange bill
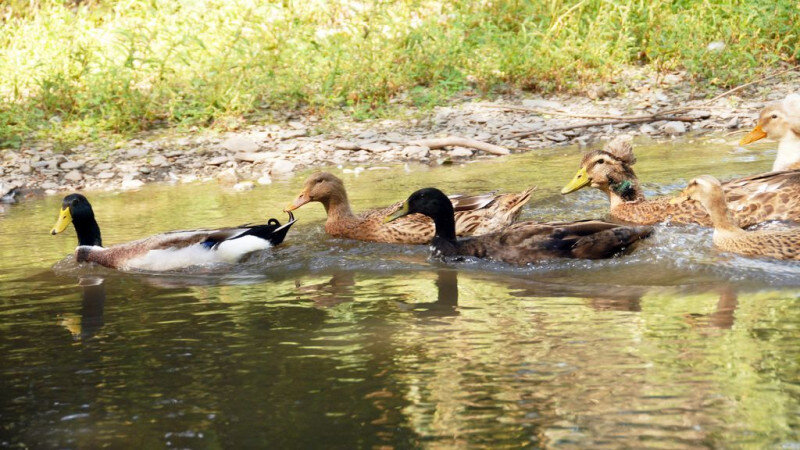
301, 200
756, 134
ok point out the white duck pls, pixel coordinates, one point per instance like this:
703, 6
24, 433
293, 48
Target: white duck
780, 121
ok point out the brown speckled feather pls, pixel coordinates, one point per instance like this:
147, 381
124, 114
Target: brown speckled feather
486, 217
752, 200
780, 244
528, 242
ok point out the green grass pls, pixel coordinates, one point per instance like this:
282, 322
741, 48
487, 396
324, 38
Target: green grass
117, 67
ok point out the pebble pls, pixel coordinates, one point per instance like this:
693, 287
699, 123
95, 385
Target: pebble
416, 151
556, 137
674, 128
375, 147
103, 166
346, 145
131, 183
647, 129
243, 186
460, 152
264, 179
239, 143
291, 134
70, 165
73, 175
228, 177
254, 157
282, 166
217, 161
105, 175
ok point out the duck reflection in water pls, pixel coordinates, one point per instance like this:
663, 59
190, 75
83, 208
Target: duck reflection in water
725, 314
446, 303
338, 289
93, 293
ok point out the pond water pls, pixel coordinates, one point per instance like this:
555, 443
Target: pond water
339, 344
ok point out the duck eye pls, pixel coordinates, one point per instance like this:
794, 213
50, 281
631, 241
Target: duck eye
774, 116
601, 161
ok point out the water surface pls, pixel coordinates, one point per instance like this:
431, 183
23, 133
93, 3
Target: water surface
332, 343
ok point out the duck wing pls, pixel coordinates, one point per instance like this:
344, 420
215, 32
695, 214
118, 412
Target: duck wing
527, 242
763, 197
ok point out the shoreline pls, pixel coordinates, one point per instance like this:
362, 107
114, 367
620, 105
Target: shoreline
259, 153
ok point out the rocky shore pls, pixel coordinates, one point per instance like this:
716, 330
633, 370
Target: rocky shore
260, 153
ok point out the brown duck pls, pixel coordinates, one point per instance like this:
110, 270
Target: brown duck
523, 242
167, 251
475, 215
754, 199
780, 244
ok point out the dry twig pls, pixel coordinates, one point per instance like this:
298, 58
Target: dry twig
461, 142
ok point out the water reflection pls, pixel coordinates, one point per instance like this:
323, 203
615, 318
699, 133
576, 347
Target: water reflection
90, 320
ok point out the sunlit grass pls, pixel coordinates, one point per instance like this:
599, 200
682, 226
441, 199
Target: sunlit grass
129, 65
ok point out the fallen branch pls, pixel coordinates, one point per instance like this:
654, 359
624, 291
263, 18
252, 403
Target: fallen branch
643, 119
461, 142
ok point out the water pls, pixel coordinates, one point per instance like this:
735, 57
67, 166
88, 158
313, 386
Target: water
331, 343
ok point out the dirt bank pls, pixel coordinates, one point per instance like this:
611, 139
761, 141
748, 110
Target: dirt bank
515, 122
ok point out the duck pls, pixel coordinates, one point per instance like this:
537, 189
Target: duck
167, 251
772, 196
520, 243
475, 215
779, 244
780, 121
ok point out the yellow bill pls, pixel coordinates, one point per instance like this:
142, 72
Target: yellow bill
580, 180
64, 219
755, 135
398, 214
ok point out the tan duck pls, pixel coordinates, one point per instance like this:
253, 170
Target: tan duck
780, 244
167, 251
523, 242
475, 215
755, 199
780, 121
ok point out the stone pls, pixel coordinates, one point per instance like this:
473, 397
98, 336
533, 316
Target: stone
537, 103
416, 151
460, 152
239, 143
228, 177
733, 123
346, 145
136, 152
556, 137
674, 128
264, 179
103, 166
71, 165
292, 134
145, 170
243, 186
73, 175
375, 147
254, 157
105, 175
159, 160
131, 183
282, 166
25, 169
647, 129
217, 161
286, 147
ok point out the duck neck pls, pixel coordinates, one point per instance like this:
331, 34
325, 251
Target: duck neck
337, 206
718, 210
87, 230
788, 151
445, 223
625, 189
